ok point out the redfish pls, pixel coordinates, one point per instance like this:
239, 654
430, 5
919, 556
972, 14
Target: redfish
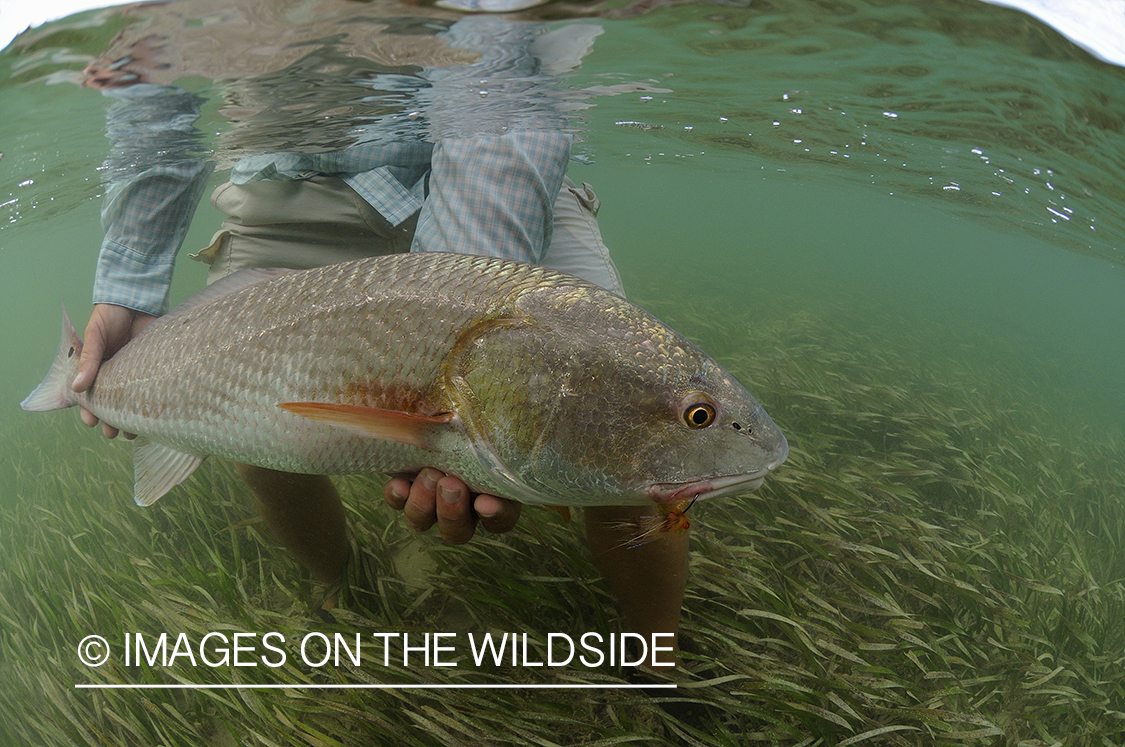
524, 382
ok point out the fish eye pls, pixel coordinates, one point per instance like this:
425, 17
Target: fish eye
699, 414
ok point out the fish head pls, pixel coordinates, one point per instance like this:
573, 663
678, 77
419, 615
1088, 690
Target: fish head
707, 437
594, 402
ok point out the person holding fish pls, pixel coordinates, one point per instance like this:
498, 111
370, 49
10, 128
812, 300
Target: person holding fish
458, 146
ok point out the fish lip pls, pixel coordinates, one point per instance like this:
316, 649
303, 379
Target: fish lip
713, 487
674, 492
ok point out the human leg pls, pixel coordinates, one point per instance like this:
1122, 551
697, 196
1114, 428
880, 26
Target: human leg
648, 579
304, 513
576, 240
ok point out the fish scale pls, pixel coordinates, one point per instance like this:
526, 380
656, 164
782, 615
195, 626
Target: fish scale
525, 382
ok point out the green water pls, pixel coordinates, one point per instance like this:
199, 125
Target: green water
849, 201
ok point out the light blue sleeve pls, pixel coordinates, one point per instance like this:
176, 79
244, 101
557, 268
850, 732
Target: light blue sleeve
501, 146
156, 178
493, 194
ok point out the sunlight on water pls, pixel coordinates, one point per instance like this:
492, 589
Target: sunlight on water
891, 98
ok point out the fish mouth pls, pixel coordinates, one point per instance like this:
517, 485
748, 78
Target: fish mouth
674, 492
715, 487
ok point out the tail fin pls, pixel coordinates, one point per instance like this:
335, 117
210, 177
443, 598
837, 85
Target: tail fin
55, 392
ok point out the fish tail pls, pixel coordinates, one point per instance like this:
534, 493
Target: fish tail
54, 393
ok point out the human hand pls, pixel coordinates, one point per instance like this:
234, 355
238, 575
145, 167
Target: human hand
110, 327
118, 68
434, 497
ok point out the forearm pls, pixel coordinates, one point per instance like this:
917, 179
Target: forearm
494, 194
146, 219
501, 145
155, 182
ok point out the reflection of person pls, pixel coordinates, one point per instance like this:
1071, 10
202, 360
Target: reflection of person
485, 174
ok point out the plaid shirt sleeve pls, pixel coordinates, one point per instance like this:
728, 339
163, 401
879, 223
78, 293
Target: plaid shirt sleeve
155, 186
493, 195
501, 146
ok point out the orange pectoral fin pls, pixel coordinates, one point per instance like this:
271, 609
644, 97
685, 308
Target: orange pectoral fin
388, 425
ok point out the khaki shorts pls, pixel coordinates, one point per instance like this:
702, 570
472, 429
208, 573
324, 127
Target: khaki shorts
319, 221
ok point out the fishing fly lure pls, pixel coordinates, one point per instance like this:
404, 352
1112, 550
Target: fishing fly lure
645, 529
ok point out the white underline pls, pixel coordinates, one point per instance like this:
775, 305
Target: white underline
181, 686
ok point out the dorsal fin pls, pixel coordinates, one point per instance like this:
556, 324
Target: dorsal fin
232, 283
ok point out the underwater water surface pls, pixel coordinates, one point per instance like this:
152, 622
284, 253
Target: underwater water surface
899, 224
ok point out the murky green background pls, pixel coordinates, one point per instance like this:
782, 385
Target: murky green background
942, 177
